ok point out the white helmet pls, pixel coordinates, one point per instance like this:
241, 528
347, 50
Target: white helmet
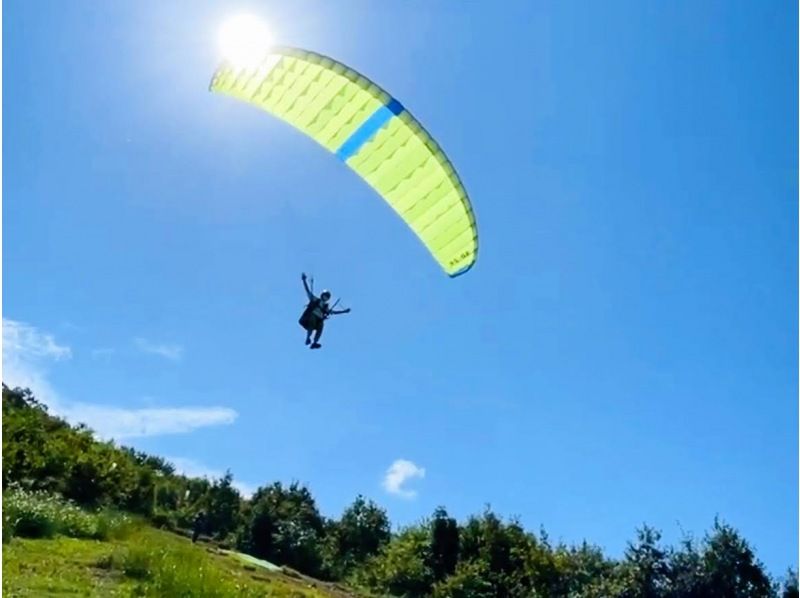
326, 294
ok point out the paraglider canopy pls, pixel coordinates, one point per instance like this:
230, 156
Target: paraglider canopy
371, 132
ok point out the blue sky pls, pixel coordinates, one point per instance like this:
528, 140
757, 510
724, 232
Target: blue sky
624, 351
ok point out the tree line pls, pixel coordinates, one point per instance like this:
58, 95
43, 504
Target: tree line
485, 556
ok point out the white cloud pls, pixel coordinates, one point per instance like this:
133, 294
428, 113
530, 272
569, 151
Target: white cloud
24, 350
167, 351
119, 422
26, 353
26, 342
398, 474
194, 469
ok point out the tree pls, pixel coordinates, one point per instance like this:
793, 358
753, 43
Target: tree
469, 580
402, 568
504, 548
790, 589
223, 505
35, 444
444, 544
150, 461
285, 527
646, 567
730, 569
686, 571
360, 533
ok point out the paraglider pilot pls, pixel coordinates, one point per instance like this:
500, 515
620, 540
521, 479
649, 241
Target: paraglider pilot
317, 311
199, 524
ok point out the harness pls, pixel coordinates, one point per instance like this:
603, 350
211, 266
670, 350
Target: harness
316, 302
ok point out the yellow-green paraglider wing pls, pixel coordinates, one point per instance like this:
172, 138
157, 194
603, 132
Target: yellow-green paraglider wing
374, 135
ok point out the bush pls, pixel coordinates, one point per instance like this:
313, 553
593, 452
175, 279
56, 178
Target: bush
42, 515
112, 525
137, 562
30, 522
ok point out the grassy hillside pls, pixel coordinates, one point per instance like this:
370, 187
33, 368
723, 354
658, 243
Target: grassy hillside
149, 562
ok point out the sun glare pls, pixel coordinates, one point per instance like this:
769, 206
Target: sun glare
244, 40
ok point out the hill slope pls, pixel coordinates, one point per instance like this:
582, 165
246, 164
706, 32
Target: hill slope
148, 563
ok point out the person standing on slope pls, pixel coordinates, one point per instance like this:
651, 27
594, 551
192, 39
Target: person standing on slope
316, 312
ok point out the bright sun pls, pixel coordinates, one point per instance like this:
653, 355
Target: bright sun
244, 40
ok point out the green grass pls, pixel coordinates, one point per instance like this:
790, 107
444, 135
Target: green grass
50, 567
52, 547
148, 562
